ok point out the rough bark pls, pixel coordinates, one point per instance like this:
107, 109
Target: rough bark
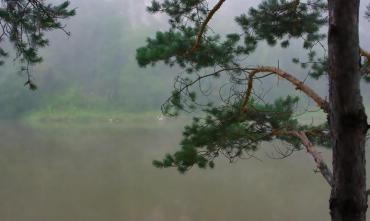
347, 118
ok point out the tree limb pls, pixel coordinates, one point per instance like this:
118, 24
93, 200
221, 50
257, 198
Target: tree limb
323, 104
204, 25
365, 54
248, 92
310, 148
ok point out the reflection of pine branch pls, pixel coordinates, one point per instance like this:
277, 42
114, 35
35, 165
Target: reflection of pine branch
367, 13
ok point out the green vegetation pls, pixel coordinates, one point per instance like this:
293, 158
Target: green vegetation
94, 69
24, 24
91, 71
241, 120
95, 119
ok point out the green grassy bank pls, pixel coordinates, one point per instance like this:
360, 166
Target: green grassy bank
91, 118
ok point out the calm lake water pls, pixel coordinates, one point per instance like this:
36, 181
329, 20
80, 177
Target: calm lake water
105, 174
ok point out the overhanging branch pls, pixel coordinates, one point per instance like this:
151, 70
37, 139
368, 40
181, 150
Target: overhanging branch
248, 92
204, 25
310, 148
320, 163
299, 85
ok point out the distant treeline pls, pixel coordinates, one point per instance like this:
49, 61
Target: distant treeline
95, 68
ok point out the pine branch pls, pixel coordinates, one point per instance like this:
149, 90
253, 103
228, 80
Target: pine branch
299, 85
204, 25
310, 148
323, 104
248, 92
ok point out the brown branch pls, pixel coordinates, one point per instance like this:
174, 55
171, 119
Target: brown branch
249, 92
365, 54
323, 104
204, 25
310, 148
299, 85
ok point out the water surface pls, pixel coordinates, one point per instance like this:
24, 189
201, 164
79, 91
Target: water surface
105, 173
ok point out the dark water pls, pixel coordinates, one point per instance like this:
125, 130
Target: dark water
105, 174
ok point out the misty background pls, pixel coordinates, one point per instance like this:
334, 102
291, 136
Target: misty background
80, 147
95, 69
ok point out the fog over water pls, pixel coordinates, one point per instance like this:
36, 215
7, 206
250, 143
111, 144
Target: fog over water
80, 148
106, 174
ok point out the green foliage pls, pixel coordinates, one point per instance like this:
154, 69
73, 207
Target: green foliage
172, 47
273, 20
92, 71
319, 68
280, 19
194, 10
24, 23
227, 131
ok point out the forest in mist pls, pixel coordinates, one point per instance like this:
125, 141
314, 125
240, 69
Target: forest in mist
95, 69
91, 143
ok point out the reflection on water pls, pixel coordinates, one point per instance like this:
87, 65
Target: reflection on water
106, 175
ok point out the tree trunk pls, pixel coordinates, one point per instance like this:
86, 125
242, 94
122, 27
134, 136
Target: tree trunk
347, 118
